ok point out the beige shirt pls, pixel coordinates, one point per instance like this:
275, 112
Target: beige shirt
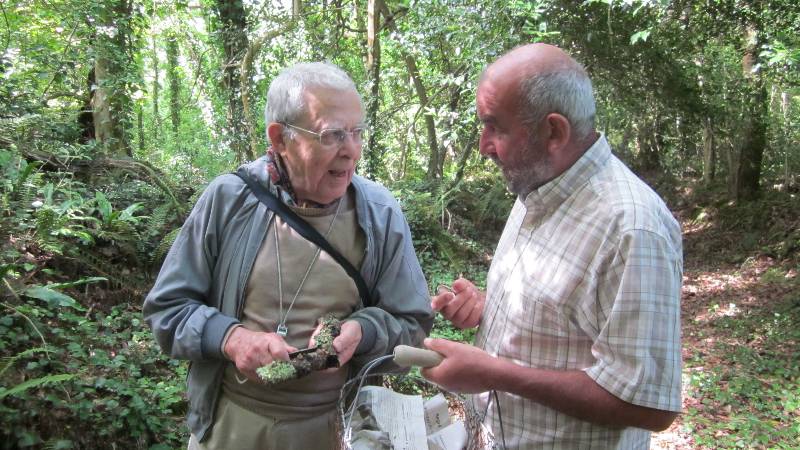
587, 276
327, 289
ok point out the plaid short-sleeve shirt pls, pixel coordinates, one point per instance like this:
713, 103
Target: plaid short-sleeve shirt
587, 276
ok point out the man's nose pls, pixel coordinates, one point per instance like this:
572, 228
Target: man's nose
351, 146
485, 145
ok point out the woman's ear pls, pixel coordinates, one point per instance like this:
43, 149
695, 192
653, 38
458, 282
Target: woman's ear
276, 138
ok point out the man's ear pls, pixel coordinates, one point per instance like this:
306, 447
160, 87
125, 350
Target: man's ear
276, 137
560, 132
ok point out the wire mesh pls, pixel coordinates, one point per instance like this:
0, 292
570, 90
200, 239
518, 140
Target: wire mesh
460, 407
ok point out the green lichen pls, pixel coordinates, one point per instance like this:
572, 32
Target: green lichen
276, 372
331, 327
303, 363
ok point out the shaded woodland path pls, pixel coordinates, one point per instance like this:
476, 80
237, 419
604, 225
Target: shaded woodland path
733, 300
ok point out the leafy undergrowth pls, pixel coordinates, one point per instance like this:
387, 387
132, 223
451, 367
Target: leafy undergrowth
80, 379
741, 328
77, 374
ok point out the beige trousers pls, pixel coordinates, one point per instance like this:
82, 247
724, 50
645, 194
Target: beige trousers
236, 428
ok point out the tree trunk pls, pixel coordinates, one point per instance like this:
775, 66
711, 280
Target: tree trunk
422, 95
111, 97
754, 126
470, 144
245, 81
107, 127
140, 127
233, 20
709, 152
373, 153
734, 163
430, 124
647, 146
156, 93
297, 8
455, 101
786, 100
174, 84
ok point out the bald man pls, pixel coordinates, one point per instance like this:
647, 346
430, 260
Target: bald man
579, 328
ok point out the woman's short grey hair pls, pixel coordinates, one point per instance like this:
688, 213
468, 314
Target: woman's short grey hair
566, 91
285, 102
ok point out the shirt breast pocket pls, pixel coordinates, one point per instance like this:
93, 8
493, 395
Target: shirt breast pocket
538, 333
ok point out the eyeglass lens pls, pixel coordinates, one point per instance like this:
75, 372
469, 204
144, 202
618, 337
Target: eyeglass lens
337, 136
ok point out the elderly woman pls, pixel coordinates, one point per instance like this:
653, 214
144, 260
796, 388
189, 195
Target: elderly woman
240, 288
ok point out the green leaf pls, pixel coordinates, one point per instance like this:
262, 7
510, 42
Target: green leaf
61, 444
71, 284
24, 386
53, 298
127, 213
103, 205
8, 362
640, 36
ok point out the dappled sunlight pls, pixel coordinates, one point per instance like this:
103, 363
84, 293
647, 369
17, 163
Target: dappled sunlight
709, 296
695, 227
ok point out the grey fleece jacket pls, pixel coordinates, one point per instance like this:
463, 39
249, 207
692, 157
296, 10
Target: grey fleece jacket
199, 293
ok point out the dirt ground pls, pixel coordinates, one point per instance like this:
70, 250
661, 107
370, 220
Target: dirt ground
715, 275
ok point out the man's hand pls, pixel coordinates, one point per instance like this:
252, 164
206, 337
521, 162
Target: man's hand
463, 306
250, 350
346, 343
464, 369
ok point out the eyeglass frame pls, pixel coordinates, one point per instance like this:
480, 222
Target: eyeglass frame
339, 142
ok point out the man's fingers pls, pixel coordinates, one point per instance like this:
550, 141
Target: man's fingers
435, 344
278, 350
440, 301
462, 284
462, 301
474, 318
472, 308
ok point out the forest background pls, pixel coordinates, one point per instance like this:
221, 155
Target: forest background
115, 114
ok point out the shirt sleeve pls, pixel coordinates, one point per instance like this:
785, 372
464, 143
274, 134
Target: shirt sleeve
402, 313
638, 349
176, 308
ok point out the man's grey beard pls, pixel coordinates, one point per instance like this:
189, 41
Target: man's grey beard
533, 170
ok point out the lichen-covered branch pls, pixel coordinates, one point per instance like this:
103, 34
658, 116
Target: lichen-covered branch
302, 363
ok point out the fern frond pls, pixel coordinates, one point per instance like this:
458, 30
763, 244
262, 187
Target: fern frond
8, 361
165, 244
24, 386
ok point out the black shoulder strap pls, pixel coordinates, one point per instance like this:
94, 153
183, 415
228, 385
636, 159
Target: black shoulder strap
307, 231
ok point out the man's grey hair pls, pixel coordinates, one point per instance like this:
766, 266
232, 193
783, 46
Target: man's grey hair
285, 98
566, 91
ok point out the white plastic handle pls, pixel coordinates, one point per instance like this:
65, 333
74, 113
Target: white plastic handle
406, 356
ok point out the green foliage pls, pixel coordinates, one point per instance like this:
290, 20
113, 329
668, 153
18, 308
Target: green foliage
661, 71
752, 399
100, 368
442, 328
